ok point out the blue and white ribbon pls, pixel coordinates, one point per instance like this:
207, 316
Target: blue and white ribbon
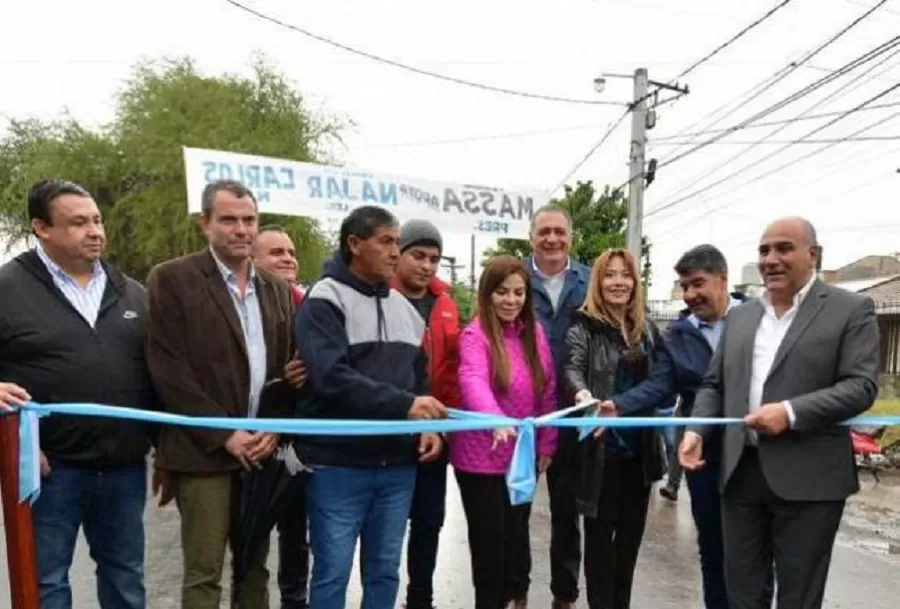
521, 478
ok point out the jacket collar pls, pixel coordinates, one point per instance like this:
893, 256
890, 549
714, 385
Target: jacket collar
435, 286
34, 265
338, 270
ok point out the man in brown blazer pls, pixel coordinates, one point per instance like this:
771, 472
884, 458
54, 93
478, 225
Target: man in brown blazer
218, 329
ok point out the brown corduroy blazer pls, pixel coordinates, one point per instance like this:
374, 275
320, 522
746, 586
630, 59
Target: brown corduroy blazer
198, 358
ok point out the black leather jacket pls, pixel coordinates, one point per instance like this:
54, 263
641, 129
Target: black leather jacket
592, 364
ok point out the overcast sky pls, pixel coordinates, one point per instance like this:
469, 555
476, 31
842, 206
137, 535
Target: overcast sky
57, 55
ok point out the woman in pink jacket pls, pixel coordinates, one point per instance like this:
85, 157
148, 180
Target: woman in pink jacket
506, 368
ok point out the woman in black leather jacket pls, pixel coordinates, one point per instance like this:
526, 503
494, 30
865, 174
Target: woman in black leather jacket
612, 346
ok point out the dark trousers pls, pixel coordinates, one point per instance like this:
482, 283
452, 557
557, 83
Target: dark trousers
672, 437
760, 527
109, 506
293, 551
612, 539
498, 540
565, 535
425, 521
706, 507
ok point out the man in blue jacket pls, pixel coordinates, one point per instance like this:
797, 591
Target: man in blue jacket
361, 342
559, 285
690, 342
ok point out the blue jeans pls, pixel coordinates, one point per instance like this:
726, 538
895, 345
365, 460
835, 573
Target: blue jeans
109, 504
346, 504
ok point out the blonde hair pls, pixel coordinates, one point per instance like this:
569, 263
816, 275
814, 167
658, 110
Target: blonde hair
597, 308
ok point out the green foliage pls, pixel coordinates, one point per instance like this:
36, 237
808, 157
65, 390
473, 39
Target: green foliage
134, 167
465, 301
598, 221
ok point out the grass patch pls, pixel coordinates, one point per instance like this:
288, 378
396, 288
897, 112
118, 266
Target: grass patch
888, 407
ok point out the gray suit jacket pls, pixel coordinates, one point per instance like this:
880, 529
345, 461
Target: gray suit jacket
827, 366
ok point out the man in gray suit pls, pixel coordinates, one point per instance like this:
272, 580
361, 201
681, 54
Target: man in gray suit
793, 365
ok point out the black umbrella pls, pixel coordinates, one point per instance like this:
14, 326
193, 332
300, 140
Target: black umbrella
264, 494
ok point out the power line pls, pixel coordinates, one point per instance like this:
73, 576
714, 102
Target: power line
732, 40
831, 169
486, 137
887, 10
841, 140
760, 88
757, 90
797, 119
594, 148
814, 86
837, 93
420, 71
793, 161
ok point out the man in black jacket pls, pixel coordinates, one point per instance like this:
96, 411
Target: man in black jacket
72, 330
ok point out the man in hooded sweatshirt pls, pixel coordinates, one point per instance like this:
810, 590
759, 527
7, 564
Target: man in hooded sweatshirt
362, 345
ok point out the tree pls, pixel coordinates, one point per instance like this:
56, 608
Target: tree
598, 223
465, 301
134, 166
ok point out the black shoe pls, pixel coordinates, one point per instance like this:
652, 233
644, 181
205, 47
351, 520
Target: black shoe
669, 493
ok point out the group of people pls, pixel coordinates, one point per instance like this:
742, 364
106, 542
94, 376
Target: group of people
378, 337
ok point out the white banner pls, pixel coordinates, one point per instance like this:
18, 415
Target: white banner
328, 193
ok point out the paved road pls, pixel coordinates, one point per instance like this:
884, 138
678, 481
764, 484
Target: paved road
864, 570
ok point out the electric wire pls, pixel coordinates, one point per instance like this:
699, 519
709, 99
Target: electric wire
840, 92
797, 119
485, 137
732, 40
415, 70
593, 149
810, 88
869, 154
841, 140
756, 91
793, 161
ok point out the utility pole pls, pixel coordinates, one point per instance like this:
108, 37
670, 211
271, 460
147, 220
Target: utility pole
453, 268
636, 182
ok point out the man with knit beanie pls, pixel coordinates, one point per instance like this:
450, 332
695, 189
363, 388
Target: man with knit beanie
420, 256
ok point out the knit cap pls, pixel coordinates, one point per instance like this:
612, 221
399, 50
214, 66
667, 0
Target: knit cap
420, 232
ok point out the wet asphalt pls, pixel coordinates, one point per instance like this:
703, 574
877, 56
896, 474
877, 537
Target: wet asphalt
865, 569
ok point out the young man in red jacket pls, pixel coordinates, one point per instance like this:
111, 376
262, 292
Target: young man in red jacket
416, 278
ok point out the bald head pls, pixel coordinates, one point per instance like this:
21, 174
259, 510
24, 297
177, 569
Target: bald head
796, 224
789, 254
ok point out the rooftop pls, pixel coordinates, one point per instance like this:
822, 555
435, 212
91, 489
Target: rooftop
860, 285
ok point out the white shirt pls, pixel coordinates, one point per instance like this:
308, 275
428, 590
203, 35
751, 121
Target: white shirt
247, 307
769, 336
86, 300
554, 284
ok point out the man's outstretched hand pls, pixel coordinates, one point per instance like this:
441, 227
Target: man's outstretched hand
11, 395
430, 446
295, 372
427, 407
690, 453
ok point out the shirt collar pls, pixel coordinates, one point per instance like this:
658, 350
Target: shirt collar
226, 272
541, 274
698, 323
798, 297
54, 269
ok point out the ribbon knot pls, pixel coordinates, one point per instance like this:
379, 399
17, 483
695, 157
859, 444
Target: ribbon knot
521, 477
